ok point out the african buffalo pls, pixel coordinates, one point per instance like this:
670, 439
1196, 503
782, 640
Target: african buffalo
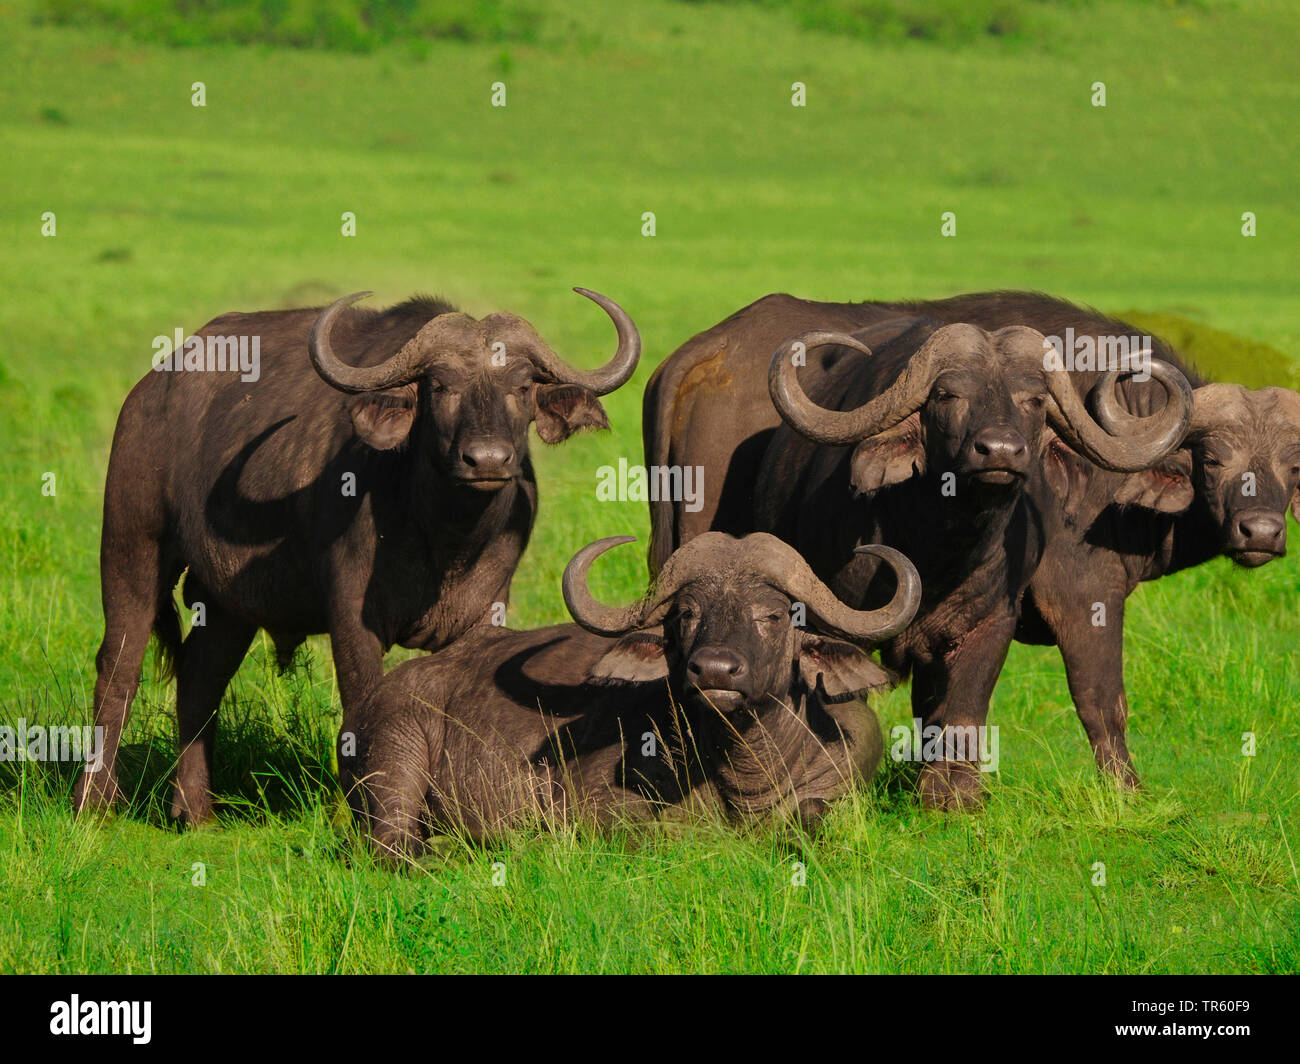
706, 694
942, 442
1224, 491
373, 483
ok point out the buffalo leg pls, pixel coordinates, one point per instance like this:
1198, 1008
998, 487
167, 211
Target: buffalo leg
1092, 646
810, 815
953, 691
390, 796
358, 667
209, 657
131, 592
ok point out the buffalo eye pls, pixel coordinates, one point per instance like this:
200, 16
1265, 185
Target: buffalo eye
1032, 402
1210, 461
943, 396
687, 617
436, 386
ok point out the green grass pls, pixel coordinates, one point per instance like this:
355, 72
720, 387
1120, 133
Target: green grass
340, 25
169, 214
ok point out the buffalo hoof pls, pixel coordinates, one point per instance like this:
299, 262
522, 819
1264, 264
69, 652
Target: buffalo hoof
190, 809
95, 791
951, 786
811, 814
804, 823
395, 850
1120, 769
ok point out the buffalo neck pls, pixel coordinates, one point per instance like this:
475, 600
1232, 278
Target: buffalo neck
448, 514
1196, 538
944, 536
753, 754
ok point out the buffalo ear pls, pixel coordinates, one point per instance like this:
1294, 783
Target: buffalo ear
1065, 471
1166, 487
563, 409
637, 657
383, 420
889, 457
837, 671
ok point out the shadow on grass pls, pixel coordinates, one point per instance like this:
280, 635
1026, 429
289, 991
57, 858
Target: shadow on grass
274, 755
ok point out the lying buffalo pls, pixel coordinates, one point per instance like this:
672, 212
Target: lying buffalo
373, 483
704, 694
942, 443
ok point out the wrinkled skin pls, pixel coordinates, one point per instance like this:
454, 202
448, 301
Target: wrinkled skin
975, 542
1105, 532
750, 717
392, 517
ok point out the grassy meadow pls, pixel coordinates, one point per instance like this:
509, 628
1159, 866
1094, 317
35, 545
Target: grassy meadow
168, 214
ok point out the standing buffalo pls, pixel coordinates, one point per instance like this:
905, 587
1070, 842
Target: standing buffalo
374, 484
1224, 491
937, 444
704, 694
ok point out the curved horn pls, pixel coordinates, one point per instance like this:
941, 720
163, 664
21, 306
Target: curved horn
862, 626
886, 410
617, 371
1109, 410
1118, 440
690, 557
1110, 413
776, 560
394, 371
791, 401
592, 615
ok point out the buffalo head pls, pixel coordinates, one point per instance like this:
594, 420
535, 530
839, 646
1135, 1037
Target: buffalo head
976, 404
1240, 465
464, 391
718, 624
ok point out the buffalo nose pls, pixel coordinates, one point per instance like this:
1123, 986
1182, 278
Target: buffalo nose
489, 457
1260, 530
715, 668
999, 449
